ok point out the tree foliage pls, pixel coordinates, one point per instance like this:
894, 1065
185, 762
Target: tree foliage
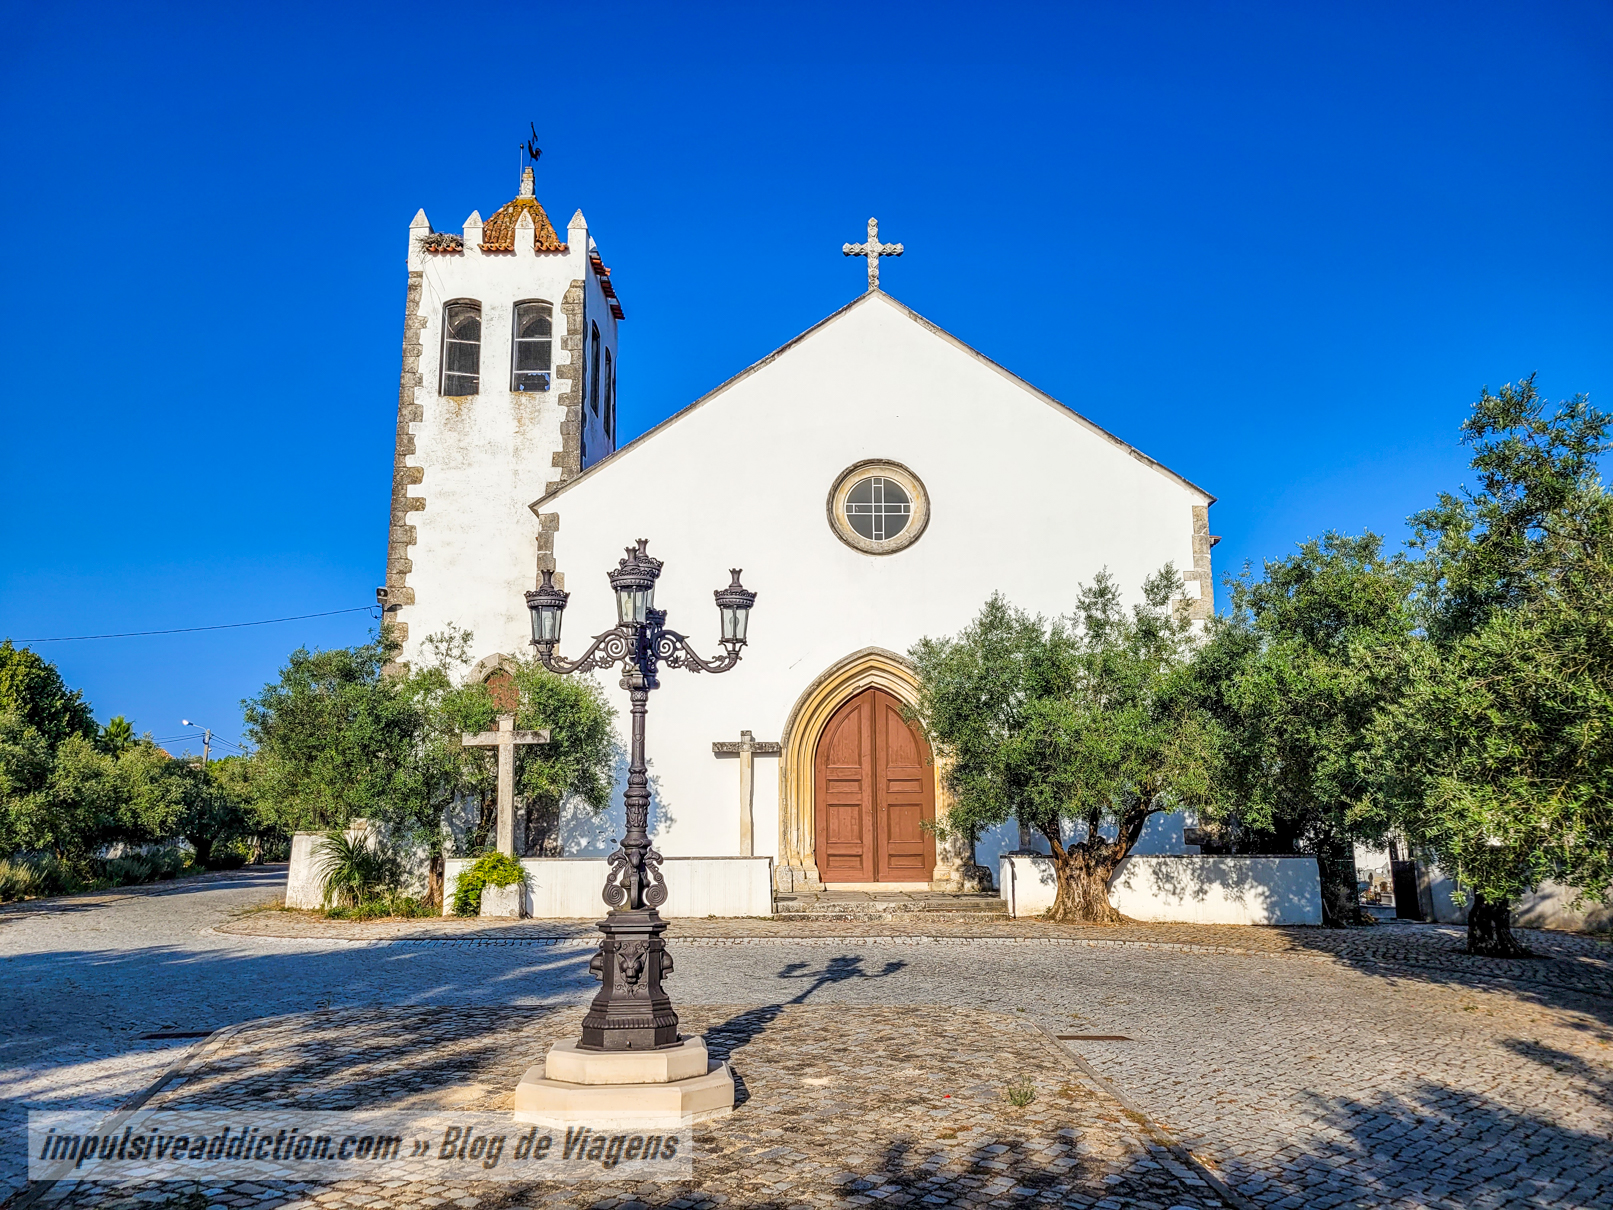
349, 734
1497, 756
33, 690
73, 799
1308, 655
336, 739
1078, 728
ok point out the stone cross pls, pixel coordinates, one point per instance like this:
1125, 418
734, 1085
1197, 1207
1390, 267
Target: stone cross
505, 739
873, 250
746, 749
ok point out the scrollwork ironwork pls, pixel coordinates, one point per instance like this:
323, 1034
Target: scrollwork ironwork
634, 885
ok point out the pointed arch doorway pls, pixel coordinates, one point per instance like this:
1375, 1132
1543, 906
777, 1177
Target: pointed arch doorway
874, 786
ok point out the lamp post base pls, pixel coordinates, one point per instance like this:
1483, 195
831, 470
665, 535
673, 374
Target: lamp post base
665, 1105
631, 1011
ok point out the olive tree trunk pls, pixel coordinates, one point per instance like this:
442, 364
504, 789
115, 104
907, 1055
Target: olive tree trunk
204, 848
1489, 930
434, 879
1084, 871
1335, 861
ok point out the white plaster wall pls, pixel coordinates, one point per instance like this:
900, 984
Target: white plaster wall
307, 871
486, 457
1184, 889
1025, 498
565, 888
1550, 907
305, 876
1162, 834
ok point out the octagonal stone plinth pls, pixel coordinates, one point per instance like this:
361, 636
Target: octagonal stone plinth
669, 1087
569, 1062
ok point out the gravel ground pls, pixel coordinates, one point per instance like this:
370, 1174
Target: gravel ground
1305, 1073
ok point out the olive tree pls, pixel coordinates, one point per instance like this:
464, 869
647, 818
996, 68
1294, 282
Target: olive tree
1079, 728
1499, 755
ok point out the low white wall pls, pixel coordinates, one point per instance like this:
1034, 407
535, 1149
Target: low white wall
568, 888
308, 868
306, 872
1550, 907
1183, 889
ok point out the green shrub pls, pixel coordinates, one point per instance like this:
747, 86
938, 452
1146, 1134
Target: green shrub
1021, 1093
168, 863
381, 907
133, 869
124, 871
356, 869
490, 869
19, 880
37, 874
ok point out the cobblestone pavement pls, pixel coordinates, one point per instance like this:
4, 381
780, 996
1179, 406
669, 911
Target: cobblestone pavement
838, 1108
1374, 1067
1566, 960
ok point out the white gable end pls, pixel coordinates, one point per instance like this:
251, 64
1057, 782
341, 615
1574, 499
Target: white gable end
1024, 497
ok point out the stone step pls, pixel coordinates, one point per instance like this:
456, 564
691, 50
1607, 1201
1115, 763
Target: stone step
874, 906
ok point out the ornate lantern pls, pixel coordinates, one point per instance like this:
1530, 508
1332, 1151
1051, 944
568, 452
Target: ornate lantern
634, 582
547, 604
734, 604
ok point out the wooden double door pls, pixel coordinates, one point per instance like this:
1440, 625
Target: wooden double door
875, 787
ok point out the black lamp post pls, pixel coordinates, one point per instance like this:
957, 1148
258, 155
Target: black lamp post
631, 1011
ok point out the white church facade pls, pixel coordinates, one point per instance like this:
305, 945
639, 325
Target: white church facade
875, 478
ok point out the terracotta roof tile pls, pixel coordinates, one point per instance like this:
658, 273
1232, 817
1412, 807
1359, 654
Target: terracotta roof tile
605, 286
498, 234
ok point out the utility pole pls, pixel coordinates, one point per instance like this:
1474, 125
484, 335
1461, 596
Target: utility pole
207, 739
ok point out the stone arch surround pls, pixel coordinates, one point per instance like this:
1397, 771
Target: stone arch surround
870, 668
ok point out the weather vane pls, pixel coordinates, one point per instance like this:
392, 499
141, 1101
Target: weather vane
533, 151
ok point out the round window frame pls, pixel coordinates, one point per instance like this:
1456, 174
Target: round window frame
854, 474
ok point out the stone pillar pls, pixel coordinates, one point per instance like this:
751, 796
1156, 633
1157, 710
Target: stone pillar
956, 869
506, 784
747, 794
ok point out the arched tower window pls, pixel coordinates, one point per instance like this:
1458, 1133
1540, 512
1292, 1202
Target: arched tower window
610, 397
534, 343
593, 386
461, 347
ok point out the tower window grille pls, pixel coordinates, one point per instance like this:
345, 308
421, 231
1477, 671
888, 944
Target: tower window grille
532, 358
461, 348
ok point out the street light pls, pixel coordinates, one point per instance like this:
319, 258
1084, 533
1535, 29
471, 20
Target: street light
631, 1011
207, 737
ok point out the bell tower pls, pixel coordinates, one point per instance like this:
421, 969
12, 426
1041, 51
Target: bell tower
508, 389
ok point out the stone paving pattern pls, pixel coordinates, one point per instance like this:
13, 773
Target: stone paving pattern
1569, 960
1369, 1067
837, 1108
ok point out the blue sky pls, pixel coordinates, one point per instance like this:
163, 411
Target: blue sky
1279, 247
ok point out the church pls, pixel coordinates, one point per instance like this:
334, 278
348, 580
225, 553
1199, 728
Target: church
875, 478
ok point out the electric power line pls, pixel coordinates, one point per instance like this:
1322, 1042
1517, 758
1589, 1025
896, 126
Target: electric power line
138, 634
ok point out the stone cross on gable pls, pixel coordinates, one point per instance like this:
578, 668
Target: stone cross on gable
747, 749
505, 739
873, 250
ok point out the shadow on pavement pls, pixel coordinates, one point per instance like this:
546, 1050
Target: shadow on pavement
1436, 1147
1570, 971
266, 877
